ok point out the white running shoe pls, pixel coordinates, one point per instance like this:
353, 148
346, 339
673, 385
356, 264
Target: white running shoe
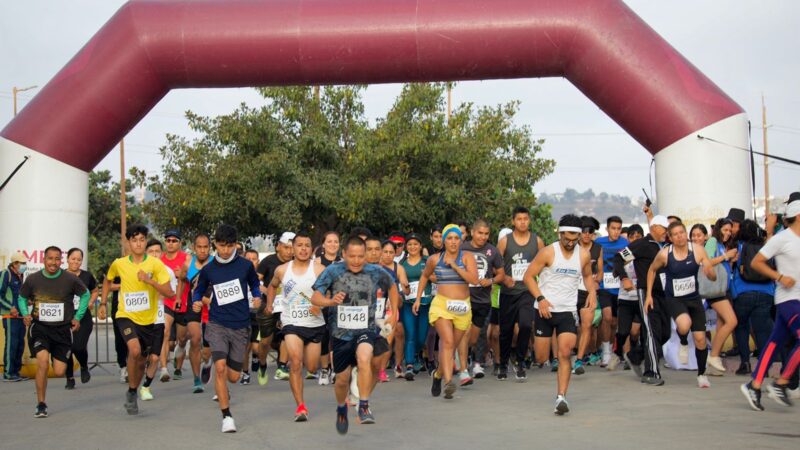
683, 354
478, 371
702, 382
123, 375
228, 426
715, 363
164, 375
606, 359
324, 377
562, 407
613, 362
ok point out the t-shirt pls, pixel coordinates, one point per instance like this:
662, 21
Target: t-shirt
414, 273
610, 248
488, 260
173, 264
785, 248
91, 284
357, 313
138, 301
229, 284
52, 296
266, 268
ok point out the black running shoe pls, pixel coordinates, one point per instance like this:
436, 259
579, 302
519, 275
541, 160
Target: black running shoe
779, 393
753, 396
436, 387
365, 416
70, 384
85, 375
131, 406
341, 421
744, 369
520, 374
205, 372
502, 372
41, 411
409, 374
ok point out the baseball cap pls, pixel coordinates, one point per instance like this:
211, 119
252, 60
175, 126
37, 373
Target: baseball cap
503, 233
660, 221
19, 257
286, 237
397, 239
172, 233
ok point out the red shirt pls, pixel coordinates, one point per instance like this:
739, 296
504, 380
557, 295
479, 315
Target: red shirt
175, 264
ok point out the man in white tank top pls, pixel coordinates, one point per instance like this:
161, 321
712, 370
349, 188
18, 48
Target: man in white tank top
303, 324
560, 268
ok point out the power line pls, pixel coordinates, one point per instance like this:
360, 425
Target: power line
779, 158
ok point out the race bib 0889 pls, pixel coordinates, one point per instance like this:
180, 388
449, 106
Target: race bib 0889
228, 292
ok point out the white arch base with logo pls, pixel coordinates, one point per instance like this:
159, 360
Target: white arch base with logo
45, 203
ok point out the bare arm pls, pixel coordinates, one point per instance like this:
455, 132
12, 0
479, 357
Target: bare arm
702, 258
588, 279
759, 264
658, 263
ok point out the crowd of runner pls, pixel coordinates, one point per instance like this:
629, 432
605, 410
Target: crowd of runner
360, 311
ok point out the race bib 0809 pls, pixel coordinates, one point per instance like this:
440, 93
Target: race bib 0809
136, 301
228, 292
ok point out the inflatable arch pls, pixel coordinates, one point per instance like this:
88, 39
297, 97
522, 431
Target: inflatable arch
149, 47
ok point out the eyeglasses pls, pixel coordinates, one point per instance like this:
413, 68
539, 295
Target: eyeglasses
570, 241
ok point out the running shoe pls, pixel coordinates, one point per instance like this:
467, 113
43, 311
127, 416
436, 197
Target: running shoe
594, 359
179, 353
254, 364
779, 393
683, 354
301, 413
131, 405
398, 372
9, 378
205, 372
702, 382
198, 386
554, 365
502, 372
228, 426
281, 374
436, 387
263, 376
794, 393
311, 375
365, 416
245, 379
341, 420
123, 375
520, 374
652, 380
409, 375
613, 362
478, 371
216, 397
637, 368
70, 384
145, 394
578, 368
85, 375
753, 396
744, 369
324, 377
716, 366
41, 411
382, 376
449, 390
164, 375
464, 379
562, 407
177, 374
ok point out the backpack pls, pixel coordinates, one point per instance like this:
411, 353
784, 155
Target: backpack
747, 252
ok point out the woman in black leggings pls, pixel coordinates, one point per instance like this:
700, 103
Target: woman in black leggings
80, 339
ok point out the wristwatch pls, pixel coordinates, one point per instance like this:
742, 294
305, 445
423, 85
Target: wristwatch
540, 298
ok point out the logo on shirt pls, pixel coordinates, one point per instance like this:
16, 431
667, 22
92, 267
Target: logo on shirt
518, 257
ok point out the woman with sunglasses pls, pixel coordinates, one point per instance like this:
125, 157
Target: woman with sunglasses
588, 315
415, 326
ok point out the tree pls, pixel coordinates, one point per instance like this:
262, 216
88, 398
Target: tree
301, 162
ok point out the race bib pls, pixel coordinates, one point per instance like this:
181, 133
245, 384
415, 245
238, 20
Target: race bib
228, 292
251, 300
51, 312
413, 288
137, 301
434, 289
482, 275
610, 281
76, 302
380, 310
683, 286
277, 304
299, 314
160, 313
352, 317
518, 270
663, 278
458, 307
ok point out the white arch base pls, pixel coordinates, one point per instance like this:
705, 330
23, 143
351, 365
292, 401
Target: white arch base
45, 203
699, 180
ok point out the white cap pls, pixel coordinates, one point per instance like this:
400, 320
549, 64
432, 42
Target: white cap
660, 220
793, 208
19, 257
286, 237
503, 233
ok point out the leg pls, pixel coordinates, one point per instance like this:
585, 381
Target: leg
727, 317
700, 351
341, 386
780, 332
399, 344
412, 331
566, 342
463, 352
365, 373
168, 320
448, 337
135, 364
508, 318
42, 364
525, 313
541, 348
220, 383
294, 346
585, 332
743, 307
195, 332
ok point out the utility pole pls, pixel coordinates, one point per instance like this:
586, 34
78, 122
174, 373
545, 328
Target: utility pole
449, 101
123, 198
15, 90
316, 93
766, 157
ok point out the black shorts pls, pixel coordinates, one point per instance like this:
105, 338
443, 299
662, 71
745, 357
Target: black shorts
692, 307
727, 296
561, 322
57, 340
183, 318
309, 335
480, 312
170, 312
253, 328
607, 300
203, 334
344, 352
582, 297
326, 342
494, 316
267, 323
151, 337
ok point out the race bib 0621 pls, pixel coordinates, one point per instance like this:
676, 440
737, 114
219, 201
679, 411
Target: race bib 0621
51, 312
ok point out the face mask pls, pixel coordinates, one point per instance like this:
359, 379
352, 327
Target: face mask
226, 261
22, 268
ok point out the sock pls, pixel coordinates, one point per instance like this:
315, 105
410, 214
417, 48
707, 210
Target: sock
226, 413
701, 356
342, 409
684, 339
606, 346
262, 366
147, 381
196, 380
363, 404
132, 390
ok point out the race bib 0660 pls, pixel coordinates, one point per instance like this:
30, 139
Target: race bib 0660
228, 292
352, 317
136, 301
458, 307
683, 286
51, 312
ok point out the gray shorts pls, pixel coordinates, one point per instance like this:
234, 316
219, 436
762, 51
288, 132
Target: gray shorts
228, 344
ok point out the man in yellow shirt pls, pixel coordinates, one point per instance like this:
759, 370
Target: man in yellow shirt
142, 280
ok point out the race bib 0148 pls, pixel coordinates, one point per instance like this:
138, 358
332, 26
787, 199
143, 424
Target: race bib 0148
352, 317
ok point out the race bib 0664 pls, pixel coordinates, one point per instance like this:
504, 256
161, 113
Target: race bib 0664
458, 307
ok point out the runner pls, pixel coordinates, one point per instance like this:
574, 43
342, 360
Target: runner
399, 241
680, 263
228, 276
450, 312
330, 255
516, 304
268, 320
10, 283
143, 279
490, 272
436, 245
355, 288
609, 285
303, 324
629, 317
784, 247
176, 260
560, 267
397, 338
80, 339
493, 331
52, 320
415, 325
251, 353
586, 314
154, 250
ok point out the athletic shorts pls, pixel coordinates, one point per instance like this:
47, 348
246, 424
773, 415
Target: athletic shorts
561, 322
173, 332
267, 324
607, 300
57, 340
344, 352
183, 318
582, 297
203, 335
692, 307
480, 312
151, 337
728, 296
228, 344
309, 335
169, 311
326, 342
494, 316
253, 328
439, 310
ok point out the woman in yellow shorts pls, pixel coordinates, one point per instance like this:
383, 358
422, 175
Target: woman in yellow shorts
450, 312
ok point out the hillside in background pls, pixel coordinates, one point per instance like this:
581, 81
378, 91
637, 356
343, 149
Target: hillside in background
600, 205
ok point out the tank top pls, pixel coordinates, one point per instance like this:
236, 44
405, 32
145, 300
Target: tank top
191, 275
594, 254
559, 281
174, 264
297, 291
681, 276
414, 273
447, 275
516, 260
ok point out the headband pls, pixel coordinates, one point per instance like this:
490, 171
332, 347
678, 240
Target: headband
566, 229
452, 228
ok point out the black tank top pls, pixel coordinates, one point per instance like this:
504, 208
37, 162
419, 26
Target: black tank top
681, 276
516, 260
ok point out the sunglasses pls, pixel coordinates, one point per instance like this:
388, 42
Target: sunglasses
172, 241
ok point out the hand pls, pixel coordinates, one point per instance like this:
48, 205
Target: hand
509, 282
646, 210
142, 276
406, 289
14, 312
207, 301
268, 309
315, 310
627, 284
75, 325
787, 282
177, 304
256, 303
486, 282
731, 254
27, 320
648, 304
591, 302
544, 308
197, 306
415, 308
772, 220
179, 274
101, 312
339, 298
263, 289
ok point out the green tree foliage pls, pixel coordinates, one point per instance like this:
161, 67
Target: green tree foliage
316, 163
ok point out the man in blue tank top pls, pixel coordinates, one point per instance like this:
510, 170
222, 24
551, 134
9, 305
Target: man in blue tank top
609, 286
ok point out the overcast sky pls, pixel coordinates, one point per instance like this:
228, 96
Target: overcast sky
746, 47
